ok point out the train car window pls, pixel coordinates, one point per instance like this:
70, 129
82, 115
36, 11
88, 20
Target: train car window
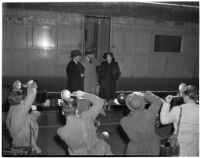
166, 43
43, 37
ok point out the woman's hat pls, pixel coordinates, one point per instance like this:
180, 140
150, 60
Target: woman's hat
75, 53
110, 53
135, 102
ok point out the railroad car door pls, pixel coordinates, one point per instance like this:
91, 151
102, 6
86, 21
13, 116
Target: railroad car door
96, 35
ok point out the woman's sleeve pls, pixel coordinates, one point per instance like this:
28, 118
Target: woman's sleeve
101, 72
118, 73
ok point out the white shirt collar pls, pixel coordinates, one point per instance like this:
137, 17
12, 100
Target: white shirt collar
75, 61
87, 58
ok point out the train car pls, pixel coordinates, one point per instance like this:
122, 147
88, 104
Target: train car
155, 44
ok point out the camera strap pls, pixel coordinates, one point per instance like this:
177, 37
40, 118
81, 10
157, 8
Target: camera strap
176, 135
179, 121
30, 140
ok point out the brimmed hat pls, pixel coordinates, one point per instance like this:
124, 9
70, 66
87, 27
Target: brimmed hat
75, 53
90, 51
110, 53
135, 102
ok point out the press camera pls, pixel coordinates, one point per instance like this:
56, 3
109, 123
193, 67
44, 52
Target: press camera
176, 101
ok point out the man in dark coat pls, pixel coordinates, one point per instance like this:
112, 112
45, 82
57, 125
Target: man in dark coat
75, 72
139, 124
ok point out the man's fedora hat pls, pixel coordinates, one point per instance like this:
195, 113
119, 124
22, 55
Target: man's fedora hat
135, 102
75, 53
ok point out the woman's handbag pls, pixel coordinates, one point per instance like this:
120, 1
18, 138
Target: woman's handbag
170, 147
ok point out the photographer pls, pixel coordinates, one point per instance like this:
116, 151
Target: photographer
19, 121
188, 136
79, 133
139, 124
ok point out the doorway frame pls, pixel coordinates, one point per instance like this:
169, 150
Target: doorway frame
83, 30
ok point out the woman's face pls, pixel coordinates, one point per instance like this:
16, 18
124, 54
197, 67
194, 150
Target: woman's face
109, 58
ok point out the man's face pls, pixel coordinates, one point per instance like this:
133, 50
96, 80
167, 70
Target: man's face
91, 56
77, 58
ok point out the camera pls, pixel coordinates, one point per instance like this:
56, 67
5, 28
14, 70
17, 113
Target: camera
176, 101
69, 106
41, 97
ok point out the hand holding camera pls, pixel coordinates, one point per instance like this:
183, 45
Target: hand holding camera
174, 100
31, 85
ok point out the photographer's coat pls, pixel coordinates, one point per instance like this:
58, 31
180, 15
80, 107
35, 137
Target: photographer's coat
19, 121
139, 127
79, 133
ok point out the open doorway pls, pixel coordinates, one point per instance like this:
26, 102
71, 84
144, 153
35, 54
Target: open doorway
97, 35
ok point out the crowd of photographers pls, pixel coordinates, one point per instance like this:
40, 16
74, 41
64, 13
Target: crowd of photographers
80, 131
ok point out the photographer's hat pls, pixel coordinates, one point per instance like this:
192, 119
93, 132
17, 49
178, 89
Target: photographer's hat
135, 102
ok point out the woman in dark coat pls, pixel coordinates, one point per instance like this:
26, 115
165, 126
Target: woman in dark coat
109, 74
